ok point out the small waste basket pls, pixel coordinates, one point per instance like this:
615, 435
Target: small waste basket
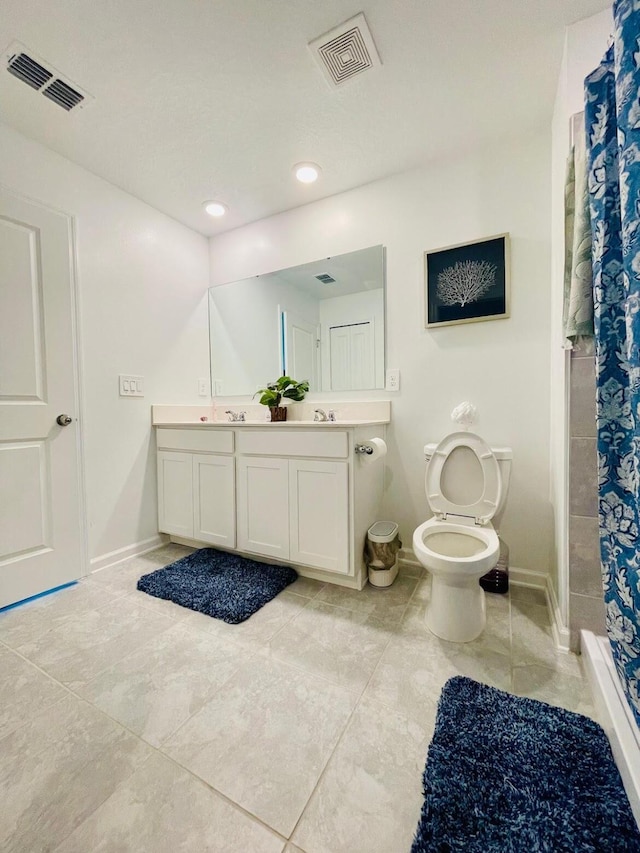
381, 553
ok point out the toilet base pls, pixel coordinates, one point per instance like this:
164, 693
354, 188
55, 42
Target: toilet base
457, 610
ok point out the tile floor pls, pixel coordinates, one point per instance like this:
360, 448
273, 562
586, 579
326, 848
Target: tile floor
130, 724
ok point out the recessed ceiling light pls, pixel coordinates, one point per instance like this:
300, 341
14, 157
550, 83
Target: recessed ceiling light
307, 173
215, 208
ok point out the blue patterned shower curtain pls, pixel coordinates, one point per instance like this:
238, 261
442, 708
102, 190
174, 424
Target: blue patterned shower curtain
612, 120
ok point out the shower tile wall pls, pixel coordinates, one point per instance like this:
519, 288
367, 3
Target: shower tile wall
586, 606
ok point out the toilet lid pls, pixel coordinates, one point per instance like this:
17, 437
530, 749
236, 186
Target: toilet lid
485, 506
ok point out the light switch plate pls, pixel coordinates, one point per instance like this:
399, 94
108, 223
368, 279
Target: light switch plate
393, 380
131, 386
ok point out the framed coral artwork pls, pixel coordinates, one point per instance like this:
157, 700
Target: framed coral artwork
467, 283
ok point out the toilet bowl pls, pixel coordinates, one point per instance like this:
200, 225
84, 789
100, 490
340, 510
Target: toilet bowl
465, 489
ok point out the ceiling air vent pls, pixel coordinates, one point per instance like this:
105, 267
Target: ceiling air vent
325, 278
28, 70
63, 95
43, 77
346, 51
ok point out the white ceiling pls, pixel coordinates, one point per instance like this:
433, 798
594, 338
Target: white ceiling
201, 99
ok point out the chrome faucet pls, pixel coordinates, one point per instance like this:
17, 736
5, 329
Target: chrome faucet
320, 416
236, 417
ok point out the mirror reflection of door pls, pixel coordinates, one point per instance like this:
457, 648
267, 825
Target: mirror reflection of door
300, 349
351, 356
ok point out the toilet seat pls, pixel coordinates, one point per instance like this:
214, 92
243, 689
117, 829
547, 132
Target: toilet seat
484, 508
456, 548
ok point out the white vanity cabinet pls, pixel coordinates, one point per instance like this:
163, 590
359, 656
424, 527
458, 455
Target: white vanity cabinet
298, 495
196, 485
294, 503
263, 506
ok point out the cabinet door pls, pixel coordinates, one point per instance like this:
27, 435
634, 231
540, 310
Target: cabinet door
319, 514
263, 506
214, 500
175, 493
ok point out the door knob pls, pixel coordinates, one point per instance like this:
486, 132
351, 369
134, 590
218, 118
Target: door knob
63, 420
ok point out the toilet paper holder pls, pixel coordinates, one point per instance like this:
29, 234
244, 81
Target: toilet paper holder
363, 448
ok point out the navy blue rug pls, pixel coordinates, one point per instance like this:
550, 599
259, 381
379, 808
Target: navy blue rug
506, 774
225, 586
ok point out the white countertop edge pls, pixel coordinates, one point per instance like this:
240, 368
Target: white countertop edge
268, 425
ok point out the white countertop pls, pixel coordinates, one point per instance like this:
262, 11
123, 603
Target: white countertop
300, 415
268, 425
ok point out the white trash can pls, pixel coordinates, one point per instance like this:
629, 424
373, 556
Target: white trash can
381, 553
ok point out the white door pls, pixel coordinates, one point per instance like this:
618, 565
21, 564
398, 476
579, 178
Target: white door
301, 349
214, 500
263, 506
319, 513
175, 493
351, 357
41, 545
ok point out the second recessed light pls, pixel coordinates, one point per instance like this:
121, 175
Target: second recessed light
307, 173
215, 208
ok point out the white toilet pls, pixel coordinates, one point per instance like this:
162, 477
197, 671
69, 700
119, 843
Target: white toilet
466, 482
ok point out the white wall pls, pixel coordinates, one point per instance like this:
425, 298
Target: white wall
142, 286
502, 366
585, 44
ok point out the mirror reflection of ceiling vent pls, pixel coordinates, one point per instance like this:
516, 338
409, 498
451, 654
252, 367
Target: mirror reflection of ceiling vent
33, 71
325, 278
346, 51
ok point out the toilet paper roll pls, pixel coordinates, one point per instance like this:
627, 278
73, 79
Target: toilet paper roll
379, 447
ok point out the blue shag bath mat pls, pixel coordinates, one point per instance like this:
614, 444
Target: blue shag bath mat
506, 774
225, 586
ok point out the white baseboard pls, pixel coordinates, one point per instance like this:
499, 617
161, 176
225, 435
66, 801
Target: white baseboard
122, 554
406, 557
561, 633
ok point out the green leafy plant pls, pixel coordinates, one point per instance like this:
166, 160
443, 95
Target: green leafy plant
285, 386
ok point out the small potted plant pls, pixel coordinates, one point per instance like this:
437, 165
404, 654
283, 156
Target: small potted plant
272, 395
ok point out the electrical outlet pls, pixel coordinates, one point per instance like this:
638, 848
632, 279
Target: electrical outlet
393, 380
131, 386
203, 387
217, 384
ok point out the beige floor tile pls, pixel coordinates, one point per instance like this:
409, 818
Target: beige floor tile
529, 595
258, 629
264, 739
411, 570
152, 692
30, 620
124, 576
422, 593
370, 795
416, 664
161, 808
25, 691
388, 604
533, 642
306, 587
159, 605
56, 770
554, 687
76, 651
341, 645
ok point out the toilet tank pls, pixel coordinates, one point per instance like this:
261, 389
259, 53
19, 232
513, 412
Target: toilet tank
503, 455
